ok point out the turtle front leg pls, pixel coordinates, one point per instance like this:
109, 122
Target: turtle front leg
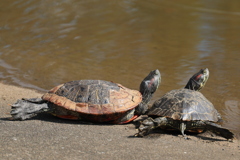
149, 124
182, 129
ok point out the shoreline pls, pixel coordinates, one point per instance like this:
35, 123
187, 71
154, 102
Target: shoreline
48, 137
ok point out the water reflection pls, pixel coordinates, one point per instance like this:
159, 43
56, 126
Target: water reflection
45, 43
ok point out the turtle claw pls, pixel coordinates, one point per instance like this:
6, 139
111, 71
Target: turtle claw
141, 133
17, 104
137, 135
186, 137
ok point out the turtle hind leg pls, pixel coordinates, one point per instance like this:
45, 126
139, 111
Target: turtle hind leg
219, 130
25, 109
149, 124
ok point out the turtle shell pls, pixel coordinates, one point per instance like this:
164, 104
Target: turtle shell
186, 105
94, 97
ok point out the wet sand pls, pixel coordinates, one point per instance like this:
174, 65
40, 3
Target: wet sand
48, 137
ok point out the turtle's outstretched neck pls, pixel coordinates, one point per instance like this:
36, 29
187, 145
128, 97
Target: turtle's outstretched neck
27, 108
191, 84
143, 106
147, 88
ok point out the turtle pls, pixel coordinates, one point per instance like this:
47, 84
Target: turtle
185, 110
91, 100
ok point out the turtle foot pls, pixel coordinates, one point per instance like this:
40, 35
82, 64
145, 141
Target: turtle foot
24, 109
146, 126
186, 137
141, 132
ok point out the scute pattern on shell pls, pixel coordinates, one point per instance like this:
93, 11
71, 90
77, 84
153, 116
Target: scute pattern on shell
94, 97
186, 105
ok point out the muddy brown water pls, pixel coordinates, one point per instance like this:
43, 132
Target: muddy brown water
45, 43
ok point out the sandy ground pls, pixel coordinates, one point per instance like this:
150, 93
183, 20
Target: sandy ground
48, 137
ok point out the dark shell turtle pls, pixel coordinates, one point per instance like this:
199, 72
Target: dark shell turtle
91, 100
185, 105
185, 109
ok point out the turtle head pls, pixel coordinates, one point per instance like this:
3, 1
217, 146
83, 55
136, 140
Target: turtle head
198, 80
147, 88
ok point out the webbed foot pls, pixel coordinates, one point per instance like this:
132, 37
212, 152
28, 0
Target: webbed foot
24, 109
146, 126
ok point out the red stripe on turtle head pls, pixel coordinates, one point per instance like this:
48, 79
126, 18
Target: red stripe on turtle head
151, 82
197, 77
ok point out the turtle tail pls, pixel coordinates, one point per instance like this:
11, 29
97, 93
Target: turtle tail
27, 108
219, 130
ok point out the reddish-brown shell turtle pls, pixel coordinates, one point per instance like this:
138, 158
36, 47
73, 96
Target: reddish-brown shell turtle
91, 100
